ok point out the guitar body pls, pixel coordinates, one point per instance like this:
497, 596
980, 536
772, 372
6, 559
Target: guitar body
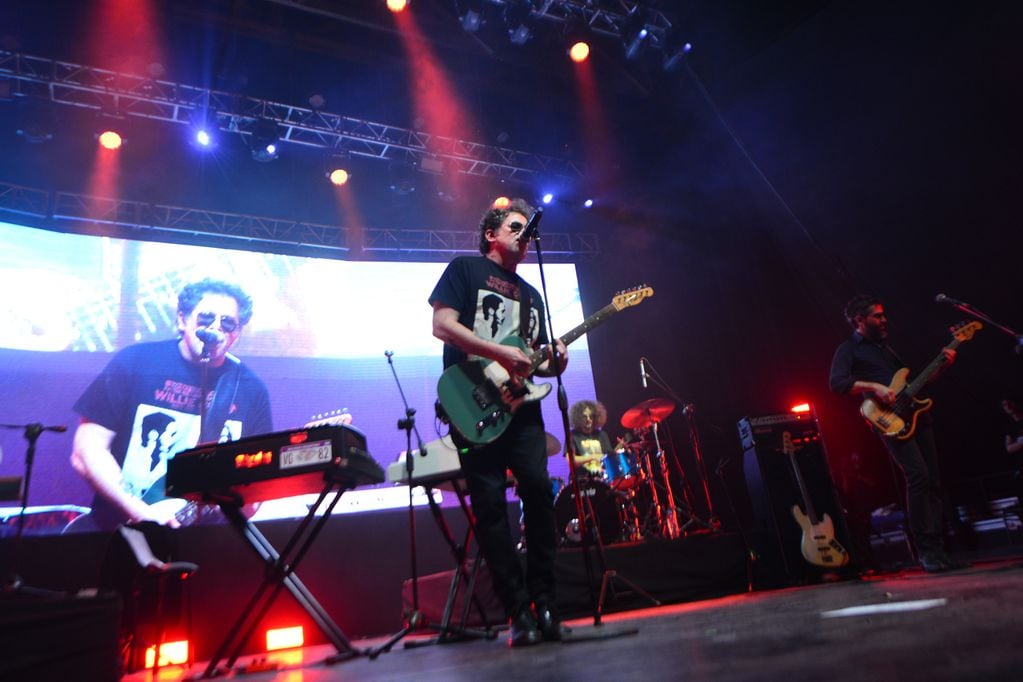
898, 420
480, 397
819, 545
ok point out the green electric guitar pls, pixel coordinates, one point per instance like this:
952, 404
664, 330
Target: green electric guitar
480, 397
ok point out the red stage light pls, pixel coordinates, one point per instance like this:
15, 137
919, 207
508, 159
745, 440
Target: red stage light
284, 638
579, 52
110, 140
171, 653
800, 408
397, 5
501, 202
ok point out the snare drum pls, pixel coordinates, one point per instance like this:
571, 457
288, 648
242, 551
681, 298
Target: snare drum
605, 508
622, 469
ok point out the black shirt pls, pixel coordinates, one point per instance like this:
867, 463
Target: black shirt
860, 359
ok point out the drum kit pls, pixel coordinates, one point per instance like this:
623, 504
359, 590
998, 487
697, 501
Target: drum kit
631, 499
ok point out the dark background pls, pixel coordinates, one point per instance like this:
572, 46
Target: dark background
806, 152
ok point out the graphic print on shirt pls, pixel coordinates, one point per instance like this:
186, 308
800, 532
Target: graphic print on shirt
497, 317
157, 434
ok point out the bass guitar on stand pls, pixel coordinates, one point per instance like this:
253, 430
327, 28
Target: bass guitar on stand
818, 544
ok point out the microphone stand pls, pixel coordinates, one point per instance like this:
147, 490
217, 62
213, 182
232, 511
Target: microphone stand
204, 381
973, 312
584, 510
13, 582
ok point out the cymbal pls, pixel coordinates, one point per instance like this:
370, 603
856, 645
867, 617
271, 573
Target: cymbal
647, 412
553, 446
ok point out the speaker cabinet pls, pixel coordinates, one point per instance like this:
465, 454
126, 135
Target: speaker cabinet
773, 489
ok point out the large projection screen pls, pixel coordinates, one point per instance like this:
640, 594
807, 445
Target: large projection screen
317, 337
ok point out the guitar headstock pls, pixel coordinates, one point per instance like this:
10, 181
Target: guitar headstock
631, 297
786, 443
964, 331
332, 418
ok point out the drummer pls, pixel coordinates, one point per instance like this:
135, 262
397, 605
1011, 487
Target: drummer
591, 442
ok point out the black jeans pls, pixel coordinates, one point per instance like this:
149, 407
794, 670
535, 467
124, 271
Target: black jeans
918, 460
522, 449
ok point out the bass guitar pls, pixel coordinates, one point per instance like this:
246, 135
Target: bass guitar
480, 397
818, 544
898, 420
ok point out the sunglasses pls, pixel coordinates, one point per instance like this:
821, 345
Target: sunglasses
227, 323
515, 227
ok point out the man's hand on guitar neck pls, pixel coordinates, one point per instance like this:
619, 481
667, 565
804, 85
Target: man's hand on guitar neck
950, 357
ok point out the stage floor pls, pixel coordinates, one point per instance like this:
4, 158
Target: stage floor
911, 625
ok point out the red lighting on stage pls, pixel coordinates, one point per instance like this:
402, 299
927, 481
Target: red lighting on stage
800, 408
338, 176
397, 5
501, 202
579, 52
284, 638
253, 460
109, 139
171, 653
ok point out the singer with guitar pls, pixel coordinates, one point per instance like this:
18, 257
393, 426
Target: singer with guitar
865, 365
144, 407
465, 302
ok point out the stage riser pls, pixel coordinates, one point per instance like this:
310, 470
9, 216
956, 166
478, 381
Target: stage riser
358, 565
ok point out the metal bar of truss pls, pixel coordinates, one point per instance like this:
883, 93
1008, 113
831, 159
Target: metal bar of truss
70, 210
130, 95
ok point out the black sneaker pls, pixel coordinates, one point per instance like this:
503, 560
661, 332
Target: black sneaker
953, 564
550, 625
524, 631
932, 562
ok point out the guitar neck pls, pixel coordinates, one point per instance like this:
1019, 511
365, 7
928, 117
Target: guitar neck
811, 513
591, 322
921, 380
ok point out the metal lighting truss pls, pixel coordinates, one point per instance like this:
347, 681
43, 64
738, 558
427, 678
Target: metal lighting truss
127, 94
68, 210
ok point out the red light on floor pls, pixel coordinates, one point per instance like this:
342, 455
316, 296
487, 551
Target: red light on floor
284, 638
800, 408
579, 52
501, 202
171, 653
397, 5
110, 140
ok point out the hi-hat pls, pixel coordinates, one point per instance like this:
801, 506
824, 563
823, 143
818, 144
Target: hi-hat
553, 446
647, 412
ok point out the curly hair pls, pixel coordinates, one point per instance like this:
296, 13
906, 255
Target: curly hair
859, 305
493, 218
193, 293
575, 414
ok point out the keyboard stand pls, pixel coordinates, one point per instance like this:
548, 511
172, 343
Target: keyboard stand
280, 573
446, 633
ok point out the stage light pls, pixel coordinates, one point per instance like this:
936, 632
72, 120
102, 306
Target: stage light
470, 14
588, 203
579, 52
402, 178
675, 57
547, 198
264, 140
203, 138
171, 653
339, 176
397, 5
800, 408
37, 120
110, 139
501, 202
518, 18
285, 638
634, 33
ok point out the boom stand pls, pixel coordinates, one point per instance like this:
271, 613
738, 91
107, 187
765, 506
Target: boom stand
584, 510
12, 582
414, 619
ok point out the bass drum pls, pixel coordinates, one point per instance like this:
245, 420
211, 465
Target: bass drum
605, 505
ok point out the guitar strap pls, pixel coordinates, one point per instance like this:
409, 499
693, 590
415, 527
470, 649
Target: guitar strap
525, 303
224, 395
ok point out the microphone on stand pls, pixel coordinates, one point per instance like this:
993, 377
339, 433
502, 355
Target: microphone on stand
642, 371
942, 298
207, 335
530, 228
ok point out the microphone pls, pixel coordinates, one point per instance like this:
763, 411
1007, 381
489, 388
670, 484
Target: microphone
530, 228
642, 371
207, 335
942, 298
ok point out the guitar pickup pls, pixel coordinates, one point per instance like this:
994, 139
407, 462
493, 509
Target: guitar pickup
482, 396
488, 421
